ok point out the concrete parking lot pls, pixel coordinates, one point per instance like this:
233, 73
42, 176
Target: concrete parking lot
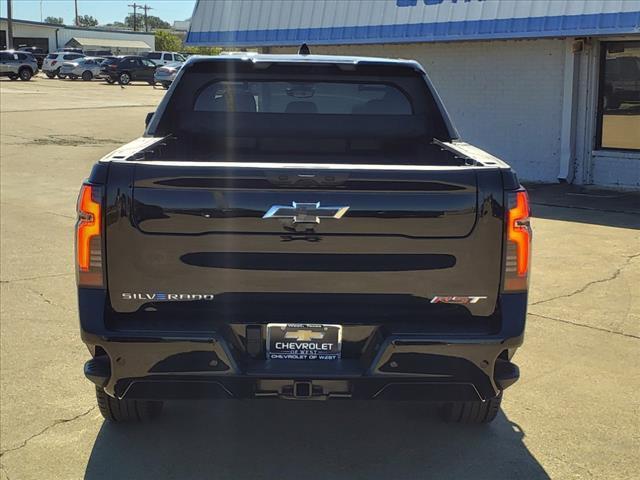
574, 414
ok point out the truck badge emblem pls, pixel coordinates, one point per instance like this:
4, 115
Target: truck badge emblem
304, 335
458, 299
305, 212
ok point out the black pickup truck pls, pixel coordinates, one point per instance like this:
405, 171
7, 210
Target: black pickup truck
302, 227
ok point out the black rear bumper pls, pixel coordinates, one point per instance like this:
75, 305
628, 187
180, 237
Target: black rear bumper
406, 366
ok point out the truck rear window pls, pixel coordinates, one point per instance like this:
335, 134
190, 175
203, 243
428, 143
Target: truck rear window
303, 97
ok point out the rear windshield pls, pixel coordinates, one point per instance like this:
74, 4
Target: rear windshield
153, 56
322, 98
228, 107
51, 56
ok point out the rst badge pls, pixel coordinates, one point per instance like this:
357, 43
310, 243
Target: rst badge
458, 299
167, 297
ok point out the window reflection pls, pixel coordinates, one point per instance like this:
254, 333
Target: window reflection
620, 95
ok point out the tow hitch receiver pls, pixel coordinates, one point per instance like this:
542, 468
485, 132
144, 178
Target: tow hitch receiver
304, 389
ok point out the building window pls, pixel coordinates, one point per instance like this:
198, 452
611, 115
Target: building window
619, 96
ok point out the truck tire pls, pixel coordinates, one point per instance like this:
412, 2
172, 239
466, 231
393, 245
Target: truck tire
472, 412
73, 77
110, 80
25, 74
127, 411
87, 75
50, 75
13, 77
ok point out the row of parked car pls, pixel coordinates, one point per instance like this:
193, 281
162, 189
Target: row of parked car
153, 67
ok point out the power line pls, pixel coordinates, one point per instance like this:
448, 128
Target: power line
144, 7
135, 7
146, 23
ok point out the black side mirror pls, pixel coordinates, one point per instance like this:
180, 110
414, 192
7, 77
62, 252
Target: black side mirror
147, 120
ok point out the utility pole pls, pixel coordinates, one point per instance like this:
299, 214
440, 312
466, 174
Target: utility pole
146, 24
76, 22
135, 18
9, 26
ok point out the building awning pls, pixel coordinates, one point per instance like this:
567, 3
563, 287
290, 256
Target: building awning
86, 42
331, 22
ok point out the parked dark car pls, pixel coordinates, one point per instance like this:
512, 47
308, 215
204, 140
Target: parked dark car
129, 68
38, 54
302, 227
15, 64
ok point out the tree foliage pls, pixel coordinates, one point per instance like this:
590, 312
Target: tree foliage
153, 22
54, 20
119, 25
168, 42
202, 50
87, 21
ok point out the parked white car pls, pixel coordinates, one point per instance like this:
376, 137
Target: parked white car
166, 74
164, 58
86, 68
53, 62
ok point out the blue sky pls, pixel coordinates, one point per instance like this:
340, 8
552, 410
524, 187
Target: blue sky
106, 11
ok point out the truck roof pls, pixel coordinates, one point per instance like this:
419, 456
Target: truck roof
297, 58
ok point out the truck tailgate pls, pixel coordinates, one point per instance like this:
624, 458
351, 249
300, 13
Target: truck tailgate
198, 232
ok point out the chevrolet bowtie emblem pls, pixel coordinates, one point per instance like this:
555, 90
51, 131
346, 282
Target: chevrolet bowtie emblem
305, 212
304, 335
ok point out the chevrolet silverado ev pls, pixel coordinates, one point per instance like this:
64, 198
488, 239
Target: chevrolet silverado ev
302, 227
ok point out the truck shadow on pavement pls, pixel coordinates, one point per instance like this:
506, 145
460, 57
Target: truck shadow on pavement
311, 440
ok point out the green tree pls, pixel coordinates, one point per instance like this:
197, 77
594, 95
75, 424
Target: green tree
202, 50
168, 42
87, 21
54, 20
153, 22
115, 25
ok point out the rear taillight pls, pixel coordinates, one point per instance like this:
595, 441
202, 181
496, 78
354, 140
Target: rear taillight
89, 237
518, 243
54, 62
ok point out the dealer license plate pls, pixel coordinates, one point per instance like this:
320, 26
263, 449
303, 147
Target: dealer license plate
294, 341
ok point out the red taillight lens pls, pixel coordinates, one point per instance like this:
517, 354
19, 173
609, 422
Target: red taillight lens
89, 237
54, 62
518, 247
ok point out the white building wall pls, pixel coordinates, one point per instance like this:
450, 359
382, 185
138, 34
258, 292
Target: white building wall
67, 33
37, 31
503, 96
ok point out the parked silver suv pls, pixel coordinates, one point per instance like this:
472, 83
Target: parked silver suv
15, 64
86, 68
53, 62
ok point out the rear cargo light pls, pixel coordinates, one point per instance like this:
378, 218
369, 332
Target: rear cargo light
518, 245
89, 237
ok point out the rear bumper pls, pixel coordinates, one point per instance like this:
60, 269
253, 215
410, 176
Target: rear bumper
407, 366
416, 369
